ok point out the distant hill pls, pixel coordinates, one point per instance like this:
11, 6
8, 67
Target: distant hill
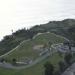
65, 28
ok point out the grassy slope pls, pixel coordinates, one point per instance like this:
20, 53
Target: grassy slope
25, 50
58, 27
37, 69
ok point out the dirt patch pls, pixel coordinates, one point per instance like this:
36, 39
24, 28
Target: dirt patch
38, 47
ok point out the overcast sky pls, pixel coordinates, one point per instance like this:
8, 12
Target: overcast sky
16, 14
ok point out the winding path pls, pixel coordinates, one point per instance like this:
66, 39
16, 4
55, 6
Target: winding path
39, 59
10, 66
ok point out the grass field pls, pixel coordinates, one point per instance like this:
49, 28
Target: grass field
26, 50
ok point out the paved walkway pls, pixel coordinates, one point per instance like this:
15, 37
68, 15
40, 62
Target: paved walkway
8, 65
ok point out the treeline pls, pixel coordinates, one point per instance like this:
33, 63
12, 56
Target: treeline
65, 28
11, 41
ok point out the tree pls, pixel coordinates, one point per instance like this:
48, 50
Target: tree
61, 66
69, 47
50, 43
60, 53
14, 61
2, 60
49, 68
68, 58
57, 72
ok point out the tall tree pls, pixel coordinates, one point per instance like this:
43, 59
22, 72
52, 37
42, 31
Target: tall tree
14, 61
2, 60
61, 66
68, 58
49, 68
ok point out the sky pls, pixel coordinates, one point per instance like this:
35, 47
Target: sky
17, 14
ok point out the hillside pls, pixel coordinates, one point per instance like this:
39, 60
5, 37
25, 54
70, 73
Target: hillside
57, 27
65, 28
11, 41
28, 44
32, 48
29, 49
